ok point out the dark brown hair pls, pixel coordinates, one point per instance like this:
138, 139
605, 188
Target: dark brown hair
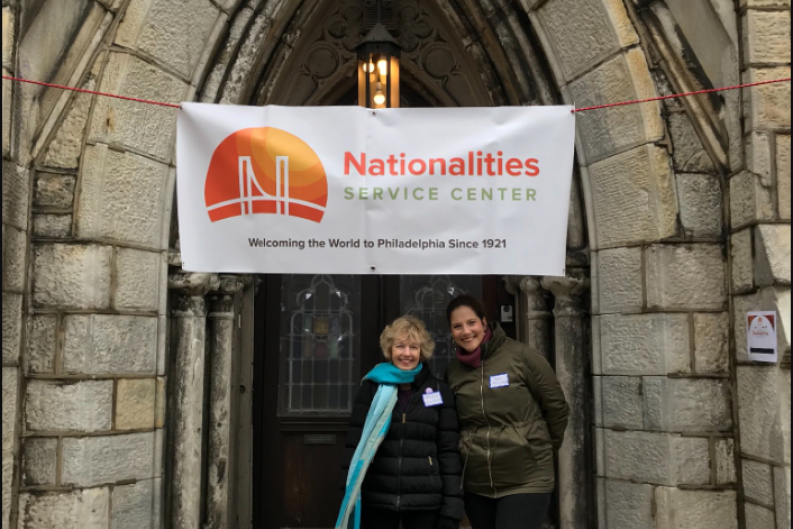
465, 300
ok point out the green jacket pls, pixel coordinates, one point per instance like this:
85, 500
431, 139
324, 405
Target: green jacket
509, 433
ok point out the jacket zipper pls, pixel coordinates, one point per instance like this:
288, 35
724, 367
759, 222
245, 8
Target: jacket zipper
482, 395
399, 474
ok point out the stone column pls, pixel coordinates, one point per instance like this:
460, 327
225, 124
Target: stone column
188, 330
221, 340
575, 492
538, 316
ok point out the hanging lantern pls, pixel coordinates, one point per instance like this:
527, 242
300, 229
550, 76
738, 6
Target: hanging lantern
378, 69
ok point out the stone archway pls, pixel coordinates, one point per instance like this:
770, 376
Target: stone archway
90, 378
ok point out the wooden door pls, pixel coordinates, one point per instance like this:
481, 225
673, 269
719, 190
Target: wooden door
316, 336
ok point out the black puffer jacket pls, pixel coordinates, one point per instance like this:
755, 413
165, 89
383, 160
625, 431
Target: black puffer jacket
417, 468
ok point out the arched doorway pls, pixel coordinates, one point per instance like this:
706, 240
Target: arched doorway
317, 335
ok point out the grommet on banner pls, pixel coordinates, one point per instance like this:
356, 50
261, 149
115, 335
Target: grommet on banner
373, 268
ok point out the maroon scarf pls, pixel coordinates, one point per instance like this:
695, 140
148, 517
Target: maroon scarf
474, 358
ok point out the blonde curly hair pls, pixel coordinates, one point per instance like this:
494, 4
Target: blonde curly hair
414, 329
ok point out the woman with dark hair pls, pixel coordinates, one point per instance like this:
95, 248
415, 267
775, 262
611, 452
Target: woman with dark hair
512, 414
403, 442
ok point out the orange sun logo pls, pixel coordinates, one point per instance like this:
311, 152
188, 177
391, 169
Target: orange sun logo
265, 170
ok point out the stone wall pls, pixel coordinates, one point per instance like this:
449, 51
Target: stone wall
760, 272
687, 207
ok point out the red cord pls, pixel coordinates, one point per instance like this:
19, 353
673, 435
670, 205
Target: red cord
685, 94
610, 105
82, 90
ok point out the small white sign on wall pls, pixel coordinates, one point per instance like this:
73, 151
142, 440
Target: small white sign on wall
761, 336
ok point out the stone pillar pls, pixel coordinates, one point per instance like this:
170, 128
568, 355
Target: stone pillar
220, 477
188, 329
538, 317
575, 492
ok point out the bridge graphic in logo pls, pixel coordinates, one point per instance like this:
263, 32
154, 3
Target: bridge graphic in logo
265, 171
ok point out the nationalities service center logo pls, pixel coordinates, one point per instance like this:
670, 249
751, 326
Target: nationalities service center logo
265, 171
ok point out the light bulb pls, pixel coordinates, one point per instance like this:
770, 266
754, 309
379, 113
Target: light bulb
379, 98
382, 65
368, 67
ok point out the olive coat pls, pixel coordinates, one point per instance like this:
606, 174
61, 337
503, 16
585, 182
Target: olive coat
512, 414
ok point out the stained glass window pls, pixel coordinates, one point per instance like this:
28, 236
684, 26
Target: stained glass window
426, 298
320, 336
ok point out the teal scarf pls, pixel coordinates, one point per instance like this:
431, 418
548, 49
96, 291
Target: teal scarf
378, 420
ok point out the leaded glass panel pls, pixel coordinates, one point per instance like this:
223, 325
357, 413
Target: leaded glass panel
426, 298
320, 341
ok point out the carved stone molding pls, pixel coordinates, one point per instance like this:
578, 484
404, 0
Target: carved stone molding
326, 56
569, 293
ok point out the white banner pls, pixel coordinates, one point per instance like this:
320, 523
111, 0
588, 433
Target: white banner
349, 190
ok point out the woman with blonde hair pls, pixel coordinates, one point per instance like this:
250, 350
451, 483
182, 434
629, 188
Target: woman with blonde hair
402, 446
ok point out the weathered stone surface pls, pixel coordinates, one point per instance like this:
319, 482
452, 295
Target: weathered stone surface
782, 496
682, 277
605, 22
656, 458
175, 33
119, 122
8, 481
629, 505
711, 343
138, 280
751, 200
52, 226
71, 276
58, 406
135, 404
647, 344
66, 147
86, 509
725, 461
767, 37
619, 280
690, 155
696, 509
758, 481
701, 208
767, 106
54, 191
132, 506
39, 461
623, 78
634, 198
121, 197
692, 457
14, 254
15, 195
742, 269
7, 96
95, 460
245, 60
110, 344
10, 394
772, 254
759, 517
764, 412
758, 155
227, 57
687, 404
42, 339
764, 3
8, 38
159, 451
12, 327
159, 417
622, 402
783, 176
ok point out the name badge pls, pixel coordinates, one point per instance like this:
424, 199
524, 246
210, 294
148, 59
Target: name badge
499, 381
432, 399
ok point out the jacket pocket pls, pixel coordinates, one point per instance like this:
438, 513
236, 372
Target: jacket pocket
511, 457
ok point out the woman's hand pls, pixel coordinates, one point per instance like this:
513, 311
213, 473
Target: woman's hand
448, 523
